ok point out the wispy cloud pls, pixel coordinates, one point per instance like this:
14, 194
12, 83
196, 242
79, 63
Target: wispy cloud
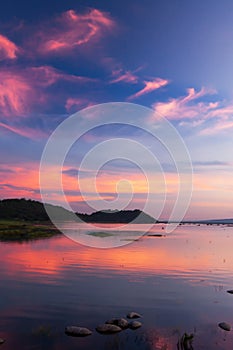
15, 94
24, 189
72, 29
21, 181
218, 127
123, 76
211, 163
74, 104
47, 75
21, 89
150, 86
186, 106
210, 117
30, 133
7, 48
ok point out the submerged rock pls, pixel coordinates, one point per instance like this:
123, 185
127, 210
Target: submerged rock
108, 328
133, 315
76, 331
185, 342
225, 326
120, 322
135, 325
2, 341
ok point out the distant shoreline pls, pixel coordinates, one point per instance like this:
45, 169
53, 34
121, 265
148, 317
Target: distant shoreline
30, 211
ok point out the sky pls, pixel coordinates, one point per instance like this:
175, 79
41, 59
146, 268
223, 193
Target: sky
174, 57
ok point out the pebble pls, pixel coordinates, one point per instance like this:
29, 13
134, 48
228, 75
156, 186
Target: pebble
77, 331
225, 326
133, 315
120, 322
108, 329
135, 325
2, 341
230, 291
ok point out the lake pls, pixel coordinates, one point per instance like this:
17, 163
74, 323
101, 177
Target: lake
178, 282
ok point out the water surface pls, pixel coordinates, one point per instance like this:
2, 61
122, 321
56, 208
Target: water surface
177, 282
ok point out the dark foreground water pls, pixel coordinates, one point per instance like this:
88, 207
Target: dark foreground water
178, 283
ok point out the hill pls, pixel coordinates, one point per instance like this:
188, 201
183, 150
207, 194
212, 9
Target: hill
30, 210
115, 216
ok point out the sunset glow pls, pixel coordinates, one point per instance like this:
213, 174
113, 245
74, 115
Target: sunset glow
75, 57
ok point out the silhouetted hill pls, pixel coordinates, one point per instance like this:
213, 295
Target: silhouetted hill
28, 210
115, 216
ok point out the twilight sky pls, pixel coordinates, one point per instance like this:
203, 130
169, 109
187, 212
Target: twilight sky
175, 57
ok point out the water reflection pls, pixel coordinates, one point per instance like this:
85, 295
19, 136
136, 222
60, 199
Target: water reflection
177, 282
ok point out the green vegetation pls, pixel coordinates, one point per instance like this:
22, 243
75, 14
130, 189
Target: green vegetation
14, 230
100, 234
25, 219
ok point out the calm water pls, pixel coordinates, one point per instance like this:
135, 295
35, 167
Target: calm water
178, 283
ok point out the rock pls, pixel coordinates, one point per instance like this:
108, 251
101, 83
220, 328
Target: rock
108, 329
185, 342
77, 331
225, 326
133, 315
2, 341
135, 325
230, 291
155, 235
120, 322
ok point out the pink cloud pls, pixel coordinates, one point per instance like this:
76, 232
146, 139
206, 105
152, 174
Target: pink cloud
185, 107
15, 92
47, 75
21, 181
211, 117
121, 76
219, 126
72, 29
21, 89
7, 48
149, 87
74, 104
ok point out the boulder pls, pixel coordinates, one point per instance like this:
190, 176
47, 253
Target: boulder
135, 325
108, 328
120, 322
225, 326
133, 315
76, 331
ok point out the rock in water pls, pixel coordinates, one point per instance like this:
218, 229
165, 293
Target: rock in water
230, 291
108, 329
225, 326
135, 325
120, 322
133, 315
75, 331
2, 341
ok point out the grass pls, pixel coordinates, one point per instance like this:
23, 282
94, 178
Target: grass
15, 230
101, 234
